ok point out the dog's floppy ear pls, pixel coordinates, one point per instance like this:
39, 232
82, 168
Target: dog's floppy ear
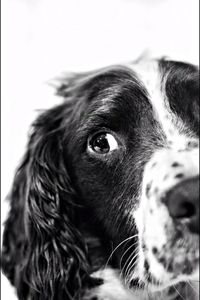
43, 254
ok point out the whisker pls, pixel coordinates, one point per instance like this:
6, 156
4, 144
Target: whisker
178, 293
126, 252
127, 261
188, 282
129, 267
148, 293
124, 241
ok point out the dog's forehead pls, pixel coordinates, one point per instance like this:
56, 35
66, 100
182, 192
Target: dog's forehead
164, 92
116, 90
173, 90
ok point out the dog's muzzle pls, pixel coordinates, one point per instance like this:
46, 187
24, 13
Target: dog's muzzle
168, 217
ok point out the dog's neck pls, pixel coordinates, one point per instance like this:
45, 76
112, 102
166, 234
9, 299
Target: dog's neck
113, 288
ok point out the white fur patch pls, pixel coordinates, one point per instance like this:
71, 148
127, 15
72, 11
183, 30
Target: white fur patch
111, 289
114, 289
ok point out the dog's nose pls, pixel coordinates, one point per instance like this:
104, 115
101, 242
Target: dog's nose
183, 203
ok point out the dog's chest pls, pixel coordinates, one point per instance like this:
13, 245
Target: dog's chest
113, 289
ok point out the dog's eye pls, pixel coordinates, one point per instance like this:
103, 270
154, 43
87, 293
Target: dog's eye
103, 143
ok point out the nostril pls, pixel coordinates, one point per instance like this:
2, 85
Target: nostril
180, 207
183, 202
185, 210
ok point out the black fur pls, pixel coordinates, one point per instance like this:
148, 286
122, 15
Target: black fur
182, 91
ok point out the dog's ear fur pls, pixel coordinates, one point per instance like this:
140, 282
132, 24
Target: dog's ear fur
43, 253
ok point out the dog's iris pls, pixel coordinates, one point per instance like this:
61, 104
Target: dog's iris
103, 143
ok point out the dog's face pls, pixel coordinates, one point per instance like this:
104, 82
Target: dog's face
114, 168
135, 161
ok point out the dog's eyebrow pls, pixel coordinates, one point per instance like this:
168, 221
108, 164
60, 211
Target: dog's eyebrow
105, 100
100, 113
112, 104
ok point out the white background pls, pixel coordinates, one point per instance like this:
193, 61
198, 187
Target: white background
43, 38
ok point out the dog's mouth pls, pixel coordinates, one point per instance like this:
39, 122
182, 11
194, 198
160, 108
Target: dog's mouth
159, 274
162, 270
168, 253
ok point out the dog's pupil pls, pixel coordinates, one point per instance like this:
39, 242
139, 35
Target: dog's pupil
100, 144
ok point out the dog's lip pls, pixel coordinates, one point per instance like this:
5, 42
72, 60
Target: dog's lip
177, 267
186, 272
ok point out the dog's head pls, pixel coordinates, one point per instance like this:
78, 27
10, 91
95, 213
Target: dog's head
116, 164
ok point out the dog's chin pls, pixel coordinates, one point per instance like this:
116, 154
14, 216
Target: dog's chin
170, 259
158, 278
155, 288
172, 267
166, 279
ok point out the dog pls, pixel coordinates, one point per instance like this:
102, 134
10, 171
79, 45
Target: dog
105, 202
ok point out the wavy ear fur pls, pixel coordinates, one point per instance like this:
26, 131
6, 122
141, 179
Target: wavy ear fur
43, 254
